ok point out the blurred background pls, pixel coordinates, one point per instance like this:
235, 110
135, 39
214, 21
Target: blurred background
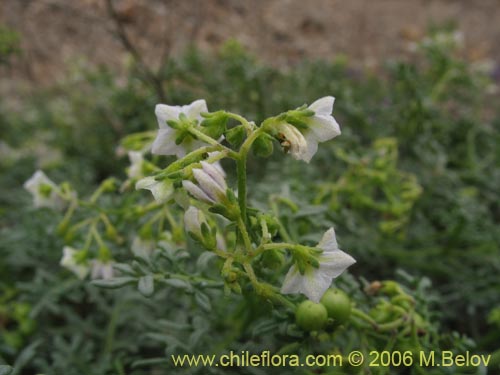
55, 33
411, 185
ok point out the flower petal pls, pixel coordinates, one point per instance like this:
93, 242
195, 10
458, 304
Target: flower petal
312, 147
196, 191
312, 284
165, 112
34, 182
192, 221
68, 261
323, 106
217, 163
215, 173
136, 160
293, 281
296, 140
161, 190
194, 109
164, 144
316, 285
334, 263
208, 184
324, 127
142, 248
329, 241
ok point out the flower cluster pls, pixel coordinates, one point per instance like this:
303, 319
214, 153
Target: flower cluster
216, 215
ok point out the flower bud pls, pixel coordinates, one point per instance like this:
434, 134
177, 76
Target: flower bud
211, 186
273, 259
263, 146
197, 226
236, 136
215, 123
193, 218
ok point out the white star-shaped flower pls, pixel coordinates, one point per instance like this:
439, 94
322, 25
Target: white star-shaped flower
142, 247
321, 127
162, 190
164, 144
45, 192
136, 164
69, 261
101, 270
315, 281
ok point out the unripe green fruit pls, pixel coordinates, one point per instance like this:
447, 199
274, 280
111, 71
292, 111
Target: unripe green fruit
311, 316
391, 288
337, 304
273, 259
381, 313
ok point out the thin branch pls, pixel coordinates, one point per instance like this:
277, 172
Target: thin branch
154, 79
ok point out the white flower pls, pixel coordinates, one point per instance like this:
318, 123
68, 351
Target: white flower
321, 127
136, 164
45, 192
142, 248
164, 144
162, 190
221, 242
101, 270
315, 281
211, 186
193, 219
293, 141
216, 164
70, 261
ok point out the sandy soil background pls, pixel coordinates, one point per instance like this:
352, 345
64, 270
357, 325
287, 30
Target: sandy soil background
57, 32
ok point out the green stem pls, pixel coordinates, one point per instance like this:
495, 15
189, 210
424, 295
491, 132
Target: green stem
277, 246
361, 315
111, 329
251, 275
95, 196
266, 236
97, 237
282, 230
201, 281
242, 185
244, 234
205, 138
243, 121
392, 325
178, 164
241, 165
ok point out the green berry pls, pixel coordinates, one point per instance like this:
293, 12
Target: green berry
337, 304
311, 316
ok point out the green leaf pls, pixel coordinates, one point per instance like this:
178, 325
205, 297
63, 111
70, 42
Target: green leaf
203, 301
146, 285
5, 370
177, 283
114, 283
203, 259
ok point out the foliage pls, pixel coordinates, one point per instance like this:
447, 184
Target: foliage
410, 185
